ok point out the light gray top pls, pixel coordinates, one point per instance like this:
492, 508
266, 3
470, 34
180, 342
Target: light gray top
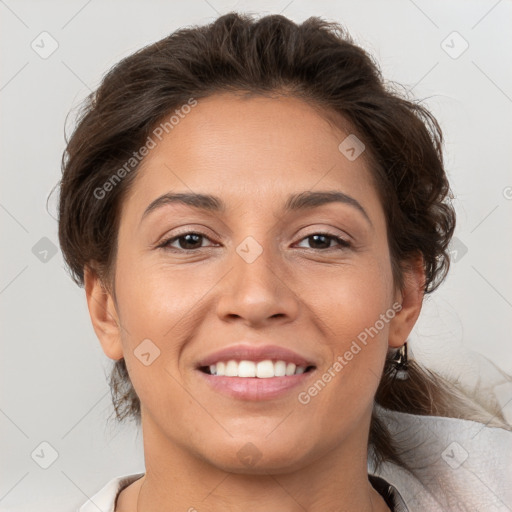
458, 465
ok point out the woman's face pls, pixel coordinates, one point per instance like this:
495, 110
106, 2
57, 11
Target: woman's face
261, 277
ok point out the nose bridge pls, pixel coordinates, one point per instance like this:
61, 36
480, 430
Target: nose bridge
255, 266
256, 256
256, 288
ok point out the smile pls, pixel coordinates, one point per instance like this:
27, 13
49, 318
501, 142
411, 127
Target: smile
265, 369
256, 372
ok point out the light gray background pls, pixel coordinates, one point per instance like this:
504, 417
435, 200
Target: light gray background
53, 371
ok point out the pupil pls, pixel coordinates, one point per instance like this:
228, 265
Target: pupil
316, 237
187, 238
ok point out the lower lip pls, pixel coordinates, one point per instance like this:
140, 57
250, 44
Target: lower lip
253, 388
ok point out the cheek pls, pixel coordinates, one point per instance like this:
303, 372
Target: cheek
160, 310
355, 313
359, 330
156, 301
350, 298
344, 389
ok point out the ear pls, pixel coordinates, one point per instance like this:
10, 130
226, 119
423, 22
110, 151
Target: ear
411, 298
103, 314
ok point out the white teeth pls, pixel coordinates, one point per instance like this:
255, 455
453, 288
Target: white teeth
221, 368
232, 369
290, 369
263, 369
279, 368
247, 369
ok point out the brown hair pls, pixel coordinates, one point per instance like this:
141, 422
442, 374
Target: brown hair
318, 62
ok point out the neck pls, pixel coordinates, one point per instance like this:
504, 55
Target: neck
334, 481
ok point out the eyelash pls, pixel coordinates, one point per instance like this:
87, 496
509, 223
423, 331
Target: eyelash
342, 244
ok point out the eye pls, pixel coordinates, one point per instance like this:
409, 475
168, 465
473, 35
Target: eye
186, 241
324, 240
192, 240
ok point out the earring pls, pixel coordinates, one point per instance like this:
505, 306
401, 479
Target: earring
400, 363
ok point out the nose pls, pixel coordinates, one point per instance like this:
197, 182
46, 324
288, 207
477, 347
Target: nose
257, 292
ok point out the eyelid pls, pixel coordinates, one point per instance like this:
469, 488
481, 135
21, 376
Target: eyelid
341, 243
164, 243
316, 229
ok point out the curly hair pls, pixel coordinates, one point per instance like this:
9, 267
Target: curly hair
318, 62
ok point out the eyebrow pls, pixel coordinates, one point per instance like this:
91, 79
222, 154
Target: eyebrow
295, 202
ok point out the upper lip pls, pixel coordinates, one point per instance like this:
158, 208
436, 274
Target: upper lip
251, 352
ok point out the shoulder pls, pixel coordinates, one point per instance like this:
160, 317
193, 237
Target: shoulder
105, 498
457, 464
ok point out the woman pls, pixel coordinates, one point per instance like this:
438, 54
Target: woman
256, 220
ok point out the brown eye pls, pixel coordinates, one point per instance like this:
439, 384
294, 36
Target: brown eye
186, 242
321, 241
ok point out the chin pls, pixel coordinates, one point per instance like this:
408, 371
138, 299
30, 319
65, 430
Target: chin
255, 455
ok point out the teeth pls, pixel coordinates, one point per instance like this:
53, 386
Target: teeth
246, 369
265, 369
232, 369
290, 369
279, 369
262, 370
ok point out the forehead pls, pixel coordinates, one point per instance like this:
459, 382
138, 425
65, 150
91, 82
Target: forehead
251, 149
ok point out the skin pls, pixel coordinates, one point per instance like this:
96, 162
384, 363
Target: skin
252, 152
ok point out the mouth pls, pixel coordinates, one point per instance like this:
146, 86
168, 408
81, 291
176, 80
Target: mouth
265, 369
252, 372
